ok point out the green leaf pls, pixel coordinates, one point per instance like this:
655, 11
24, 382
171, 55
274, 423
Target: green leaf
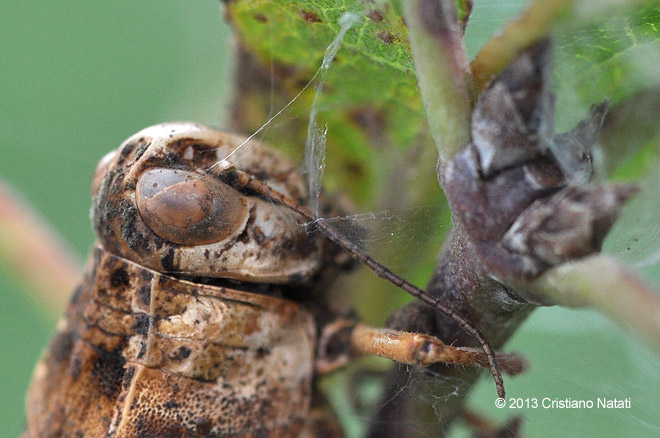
379, 150
630, 135
370, 99
609, 57
463, 9
635, 238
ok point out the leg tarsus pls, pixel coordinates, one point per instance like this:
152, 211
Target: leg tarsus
403, 347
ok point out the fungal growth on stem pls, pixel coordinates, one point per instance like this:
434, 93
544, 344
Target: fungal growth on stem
521, 204
520, 194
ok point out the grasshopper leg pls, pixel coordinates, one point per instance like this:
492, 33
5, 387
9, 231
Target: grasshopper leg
401, 347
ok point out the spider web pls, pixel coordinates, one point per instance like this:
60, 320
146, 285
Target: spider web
370, 229
577, 355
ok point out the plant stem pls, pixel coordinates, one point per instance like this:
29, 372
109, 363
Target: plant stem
603, 283
41, 262
442, 71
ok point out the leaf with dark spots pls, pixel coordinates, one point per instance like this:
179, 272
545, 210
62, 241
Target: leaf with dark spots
386, 37
260, 18
375, 16
310, 17
373, 69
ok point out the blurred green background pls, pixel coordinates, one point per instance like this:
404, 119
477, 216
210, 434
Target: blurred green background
77, 78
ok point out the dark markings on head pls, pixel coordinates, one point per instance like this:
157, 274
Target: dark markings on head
126, 150
144, 145
129, 232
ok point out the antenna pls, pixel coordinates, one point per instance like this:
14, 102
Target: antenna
240, 179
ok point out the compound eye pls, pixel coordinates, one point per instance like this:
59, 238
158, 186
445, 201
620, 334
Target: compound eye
187, 208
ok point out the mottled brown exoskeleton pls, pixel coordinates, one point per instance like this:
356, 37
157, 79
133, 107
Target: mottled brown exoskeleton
200, 312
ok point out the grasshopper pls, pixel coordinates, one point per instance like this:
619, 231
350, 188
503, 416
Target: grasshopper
201, 311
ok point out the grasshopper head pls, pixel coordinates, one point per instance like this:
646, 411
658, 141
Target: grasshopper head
159, 202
